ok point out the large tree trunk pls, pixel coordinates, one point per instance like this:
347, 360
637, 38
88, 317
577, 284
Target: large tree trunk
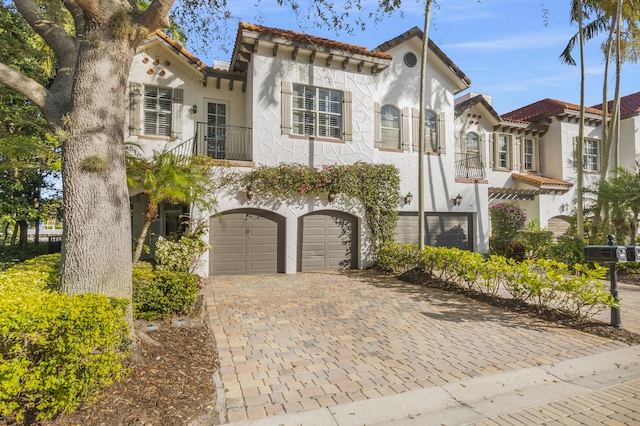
23, 226
96, 249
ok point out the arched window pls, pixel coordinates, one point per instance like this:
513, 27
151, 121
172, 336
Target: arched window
473, 143
390, 126
430, 132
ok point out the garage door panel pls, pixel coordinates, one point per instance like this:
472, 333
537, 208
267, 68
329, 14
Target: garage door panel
327, 242
244, 243
441, 229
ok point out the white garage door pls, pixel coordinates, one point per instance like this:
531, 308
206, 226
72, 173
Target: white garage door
245, 243
327, 241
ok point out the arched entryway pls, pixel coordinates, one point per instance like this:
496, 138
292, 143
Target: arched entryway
327, 240
246, 241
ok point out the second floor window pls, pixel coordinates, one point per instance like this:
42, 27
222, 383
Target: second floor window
472, 144
390, 126
503, 152
157, 111
591, 156
430, 132
317, 112
529, 154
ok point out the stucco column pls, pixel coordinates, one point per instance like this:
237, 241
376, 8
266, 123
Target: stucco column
291, 238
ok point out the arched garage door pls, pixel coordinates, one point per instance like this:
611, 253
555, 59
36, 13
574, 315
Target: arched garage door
327, 240
441, 229
245, 242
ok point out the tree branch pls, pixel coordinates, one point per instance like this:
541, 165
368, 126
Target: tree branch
55, 36
156, 16
28, 87
78, 16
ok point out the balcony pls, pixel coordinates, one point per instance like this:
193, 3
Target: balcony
219, 142
469, 166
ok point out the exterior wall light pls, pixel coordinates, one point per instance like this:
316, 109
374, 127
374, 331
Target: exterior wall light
458, 200
194, 109
331, 196
408, 198
250, 193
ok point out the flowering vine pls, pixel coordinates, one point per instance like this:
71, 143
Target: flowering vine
376, 185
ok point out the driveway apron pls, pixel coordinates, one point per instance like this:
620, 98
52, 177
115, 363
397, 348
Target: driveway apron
289, 343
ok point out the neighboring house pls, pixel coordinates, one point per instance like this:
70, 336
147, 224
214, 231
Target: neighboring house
287, 97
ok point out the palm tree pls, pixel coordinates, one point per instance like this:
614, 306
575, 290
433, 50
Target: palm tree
621, 195
170, 178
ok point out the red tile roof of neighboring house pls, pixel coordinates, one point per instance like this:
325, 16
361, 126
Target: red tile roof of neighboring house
540, 180
629, 105
313, 40
543, 108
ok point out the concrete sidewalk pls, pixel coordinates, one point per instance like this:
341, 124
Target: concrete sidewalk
360, 348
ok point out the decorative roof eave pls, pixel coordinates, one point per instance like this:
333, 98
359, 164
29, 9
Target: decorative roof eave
206, 71
464, 81
545, 184
496, 193
573, 116
176, 47
318, 49
521, 128
481, 101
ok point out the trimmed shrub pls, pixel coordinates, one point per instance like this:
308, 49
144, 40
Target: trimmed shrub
160, 293
542, 283
536, 242
57, 349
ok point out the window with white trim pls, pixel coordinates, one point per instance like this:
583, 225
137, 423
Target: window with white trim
390, 126
472, 144
430, 131
591, 155
503, 152
317, 112
529, 154
157, 110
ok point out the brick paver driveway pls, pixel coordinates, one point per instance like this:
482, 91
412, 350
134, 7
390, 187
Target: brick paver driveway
295, 342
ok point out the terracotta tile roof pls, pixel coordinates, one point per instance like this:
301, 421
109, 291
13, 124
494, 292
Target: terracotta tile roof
543, 108
540, 180
312, 40
629, 105
417, 32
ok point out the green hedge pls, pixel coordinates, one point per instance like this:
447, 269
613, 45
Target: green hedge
578, 291
56, 349
159, 293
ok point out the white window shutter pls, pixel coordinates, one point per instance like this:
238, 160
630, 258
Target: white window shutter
442, 129
415, 119
377, 126
483, 148
347, 113
135, 112
286, 95
496, 151
536, 155
176, 113
405, 129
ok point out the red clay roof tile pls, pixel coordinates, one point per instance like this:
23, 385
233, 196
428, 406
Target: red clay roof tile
542, 108
629, 105
540, 180
313, 40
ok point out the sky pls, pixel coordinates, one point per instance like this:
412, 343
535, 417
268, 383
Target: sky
509, 49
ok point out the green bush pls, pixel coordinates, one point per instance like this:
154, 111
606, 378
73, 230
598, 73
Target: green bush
397, 258
568, 249
536, 242
160, 293
541, 282
506, 221
56, 349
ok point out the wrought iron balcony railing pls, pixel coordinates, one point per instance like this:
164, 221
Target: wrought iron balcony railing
469, 166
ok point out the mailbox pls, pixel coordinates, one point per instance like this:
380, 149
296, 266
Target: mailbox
605, 254
633, 254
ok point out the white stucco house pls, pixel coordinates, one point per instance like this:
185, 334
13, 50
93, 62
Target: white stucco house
288, 97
